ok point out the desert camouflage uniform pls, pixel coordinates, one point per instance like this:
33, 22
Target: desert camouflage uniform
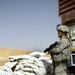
59, 54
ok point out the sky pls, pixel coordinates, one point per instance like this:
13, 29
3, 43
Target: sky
28, 24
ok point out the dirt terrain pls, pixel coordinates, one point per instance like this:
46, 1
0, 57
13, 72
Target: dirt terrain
6, 52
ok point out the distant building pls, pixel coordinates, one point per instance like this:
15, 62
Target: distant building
67, 11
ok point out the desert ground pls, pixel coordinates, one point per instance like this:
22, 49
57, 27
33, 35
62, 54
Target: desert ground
6, 52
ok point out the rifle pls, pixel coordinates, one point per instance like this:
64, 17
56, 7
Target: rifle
48, 50
51, 47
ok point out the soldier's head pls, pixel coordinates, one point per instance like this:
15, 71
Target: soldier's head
62, 30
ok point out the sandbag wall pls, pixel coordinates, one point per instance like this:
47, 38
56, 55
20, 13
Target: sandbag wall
35, 63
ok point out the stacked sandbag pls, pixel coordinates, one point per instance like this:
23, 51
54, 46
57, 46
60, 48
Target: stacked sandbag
32, 64
46, 61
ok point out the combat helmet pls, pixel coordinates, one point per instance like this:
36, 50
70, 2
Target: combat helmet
63, 28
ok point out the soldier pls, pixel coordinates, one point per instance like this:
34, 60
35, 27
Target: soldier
62, 51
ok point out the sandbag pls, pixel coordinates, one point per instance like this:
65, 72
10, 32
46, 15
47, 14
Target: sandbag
3, 72
37, 54
31, 64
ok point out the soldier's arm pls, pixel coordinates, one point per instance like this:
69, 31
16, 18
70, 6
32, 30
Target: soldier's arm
63, 44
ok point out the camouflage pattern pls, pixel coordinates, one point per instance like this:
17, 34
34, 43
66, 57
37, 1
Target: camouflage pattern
63, 28
60, 68
60, 56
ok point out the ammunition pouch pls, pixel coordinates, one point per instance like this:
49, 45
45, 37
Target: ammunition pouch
60, 57
57, 58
